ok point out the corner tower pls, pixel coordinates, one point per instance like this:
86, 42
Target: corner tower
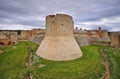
59, 43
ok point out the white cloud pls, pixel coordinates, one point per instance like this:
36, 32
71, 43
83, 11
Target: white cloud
16, 27
112, 23
88, 14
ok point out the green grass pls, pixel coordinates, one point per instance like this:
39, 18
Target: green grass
114, 58
12, 61
87, 67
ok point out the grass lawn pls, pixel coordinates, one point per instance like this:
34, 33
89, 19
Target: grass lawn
114, 58
87, 67
12, 61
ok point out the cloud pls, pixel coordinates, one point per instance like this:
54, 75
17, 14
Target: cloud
111, 23
86, 13
16, 27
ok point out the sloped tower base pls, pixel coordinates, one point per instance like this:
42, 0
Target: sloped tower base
59, 48
59, 43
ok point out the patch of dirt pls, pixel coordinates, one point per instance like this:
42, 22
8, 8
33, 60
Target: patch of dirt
14, 47
1, 51
41, 65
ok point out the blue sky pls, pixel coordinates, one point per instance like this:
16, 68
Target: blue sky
88, 14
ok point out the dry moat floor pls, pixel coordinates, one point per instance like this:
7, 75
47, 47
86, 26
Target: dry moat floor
16, 63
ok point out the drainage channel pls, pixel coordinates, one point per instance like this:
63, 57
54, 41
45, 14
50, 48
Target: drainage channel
107, 65
29, 63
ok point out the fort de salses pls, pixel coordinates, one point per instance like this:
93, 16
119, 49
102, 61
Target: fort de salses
60, 40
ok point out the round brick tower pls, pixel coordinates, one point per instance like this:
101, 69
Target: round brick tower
59, 43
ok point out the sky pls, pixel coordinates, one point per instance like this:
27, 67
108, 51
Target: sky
87, 14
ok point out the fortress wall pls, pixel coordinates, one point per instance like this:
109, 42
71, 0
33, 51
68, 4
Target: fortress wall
83, 41
105, 36
37, 39
104, 33
115, 39
14, 37
26, 34
65, 23
2, 36
82, 37
8, 37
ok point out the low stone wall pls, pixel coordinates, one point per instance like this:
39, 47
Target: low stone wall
37, 39
82, 41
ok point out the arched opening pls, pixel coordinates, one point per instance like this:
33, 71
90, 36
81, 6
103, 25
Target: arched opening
13, 42
1, 43
9, 42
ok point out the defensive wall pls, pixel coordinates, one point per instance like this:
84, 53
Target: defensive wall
83, 37
115, 38
8, 37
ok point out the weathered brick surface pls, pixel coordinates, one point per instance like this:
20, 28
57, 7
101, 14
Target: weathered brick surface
6, 41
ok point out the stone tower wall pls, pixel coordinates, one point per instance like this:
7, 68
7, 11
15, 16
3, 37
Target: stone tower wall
65, 23
59, 43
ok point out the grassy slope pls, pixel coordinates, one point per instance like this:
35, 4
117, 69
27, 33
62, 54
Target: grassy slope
89, 66
114, 56
12, 61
